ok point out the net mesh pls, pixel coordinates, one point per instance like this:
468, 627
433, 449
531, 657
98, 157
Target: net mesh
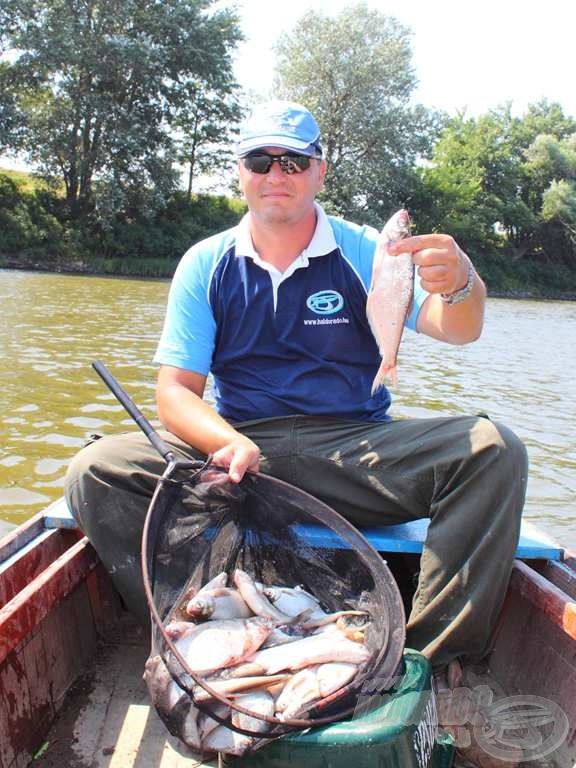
208, 674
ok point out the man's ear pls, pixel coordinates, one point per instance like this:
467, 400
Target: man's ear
321, 174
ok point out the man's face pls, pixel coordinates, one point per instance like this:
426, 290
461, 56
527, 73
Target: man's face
281, 198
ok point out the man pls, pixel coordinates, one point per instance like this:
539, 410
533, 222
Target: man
293, 393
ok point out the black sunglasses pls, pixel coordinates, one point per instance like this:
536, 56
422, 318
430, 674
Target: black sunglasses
261, 162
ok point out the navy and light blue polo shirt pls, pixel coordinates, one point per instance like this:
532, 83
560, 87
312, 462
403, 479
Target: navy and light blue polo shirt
280, 343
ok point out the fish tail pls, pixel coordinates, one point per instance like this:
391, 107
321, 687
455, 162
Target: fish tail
300, 618
386, 371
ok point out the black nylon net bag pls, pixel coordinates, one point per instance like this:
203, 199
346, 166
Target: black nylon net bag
269, 610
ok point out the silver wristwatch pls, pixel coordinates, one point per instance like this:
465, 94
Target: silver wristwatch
462, 293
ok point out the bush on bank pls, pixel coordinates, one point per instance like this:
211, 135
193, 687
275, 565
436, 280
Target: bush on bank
505, 276
36, 231
27, 225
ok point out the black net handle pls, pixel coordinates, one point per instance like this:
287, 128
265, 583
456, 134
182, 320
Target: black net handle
122, 396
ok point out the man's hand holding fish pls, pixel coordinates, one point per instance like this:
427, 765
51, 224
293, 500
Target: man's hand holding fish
446, 272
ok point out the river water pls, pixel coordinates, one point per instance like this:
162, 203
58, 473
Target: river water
54, 326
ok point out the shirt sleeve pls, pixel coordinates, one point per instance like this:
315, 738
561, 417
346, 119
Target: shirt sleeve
189, 331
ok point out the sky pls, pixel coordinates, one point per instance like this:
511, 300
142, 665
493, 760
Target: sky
467, 55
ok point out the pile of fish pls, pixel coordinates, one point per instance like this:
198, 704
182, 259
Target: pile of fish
271, 650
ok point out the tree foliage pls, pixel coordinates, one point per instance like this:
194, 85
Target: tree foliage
34, 231
26, 224
472, 181
354, 72
553, 163
499, 182
204, 129
100, 84
10, 117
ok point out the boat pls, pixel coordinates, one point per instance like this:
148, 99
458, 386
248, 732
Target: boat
71, 658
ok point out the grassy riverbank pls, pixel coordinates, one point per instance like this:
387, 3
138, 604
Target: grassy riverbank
159, 268
38, 233
526, 278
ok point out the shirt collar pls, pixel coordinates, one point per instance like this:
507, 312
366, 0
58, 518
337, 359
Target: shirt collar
322, 242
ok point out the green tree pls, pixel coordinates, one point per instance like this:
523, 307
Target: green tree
544, 117
204, 130
101, 83
354, 72
27, 227
559, 204
488, 176
472, 186
10, 118
551, 167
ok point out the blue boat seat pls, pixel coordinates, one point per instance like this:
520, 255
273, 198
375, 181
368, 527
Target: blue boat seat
404, 538
409, 538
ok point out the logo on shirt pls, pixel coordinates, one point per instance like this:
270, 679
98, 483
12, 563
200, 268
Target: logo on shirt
325, 302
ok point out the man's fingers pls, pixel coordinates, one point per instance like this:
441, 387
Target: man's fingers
237, 457
421, 242
236, 472
238, 466
433, 274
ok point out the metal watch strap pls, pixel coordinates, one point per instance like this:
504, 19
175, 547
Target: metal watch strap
462, 293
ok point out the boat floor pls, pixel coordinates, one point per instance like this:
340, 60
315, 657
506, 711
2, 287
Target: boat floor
107, 721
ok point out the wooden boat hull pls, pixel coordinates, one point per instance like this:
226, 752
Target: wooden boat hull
57, 602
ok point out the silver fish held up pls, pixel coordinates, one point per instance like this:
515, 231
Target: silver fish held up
390, 296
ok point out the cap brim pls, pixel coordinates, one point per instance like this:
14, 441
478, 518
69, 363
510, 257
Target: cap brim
249, 145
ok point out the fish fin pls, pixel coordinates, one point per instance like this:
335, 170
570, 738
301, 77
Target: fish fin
386, 371
259, 681
455, 674
329, 618
300, 618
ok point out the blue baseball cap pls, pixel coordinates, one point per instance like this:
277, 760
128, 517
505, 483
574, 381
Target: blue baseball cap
283, 124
